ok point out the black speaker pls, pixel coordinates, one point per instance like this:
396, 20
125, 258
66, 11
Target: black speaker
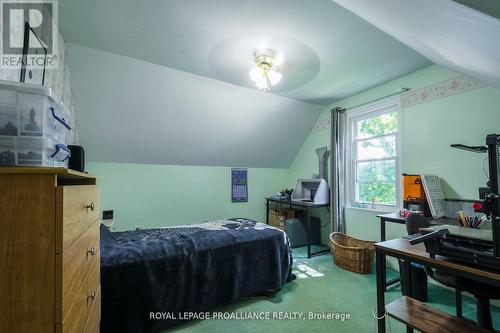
77, 160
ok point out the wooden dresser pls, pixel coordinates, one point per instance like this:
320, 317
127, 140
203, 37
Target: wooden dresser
49, 251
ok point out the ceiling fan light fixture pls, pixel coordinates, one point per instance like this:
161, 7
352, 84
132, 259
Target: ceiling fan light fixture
265, 73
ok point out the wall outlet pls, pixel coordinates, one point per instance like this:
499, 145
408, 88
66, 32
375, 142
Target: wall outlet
107, 214
107, 219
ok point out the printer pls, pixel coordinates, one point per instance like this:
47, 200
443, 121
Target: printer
313, 191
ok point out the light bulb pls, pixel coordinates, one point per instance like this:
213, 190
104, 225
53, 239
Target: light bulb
274, 77
255, 74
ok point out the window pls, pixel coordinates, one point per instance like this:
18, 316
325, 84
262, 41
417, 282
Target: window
374, 148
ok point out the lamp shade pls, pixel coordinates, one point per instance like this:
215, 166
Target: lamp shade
260, 78
274, 77
255, 74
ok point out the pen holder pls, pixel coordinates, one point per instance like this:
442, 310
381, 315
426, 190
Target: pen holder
471, 221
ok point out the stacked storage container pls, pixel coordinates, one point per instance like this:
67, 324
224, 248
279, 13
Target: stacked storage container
34, 128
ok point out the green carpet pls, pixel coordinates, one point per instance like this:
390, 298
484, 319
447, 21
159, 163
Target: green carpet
323, 288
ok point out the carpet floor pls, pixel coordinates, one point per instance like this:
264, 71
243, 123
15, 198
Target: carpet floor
321, 287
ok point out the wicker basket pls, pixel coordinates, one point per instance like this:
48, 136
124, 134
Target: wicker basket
352, 254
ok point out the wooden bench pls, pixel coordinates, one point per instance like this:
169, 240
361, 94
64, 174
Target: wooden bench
424, 318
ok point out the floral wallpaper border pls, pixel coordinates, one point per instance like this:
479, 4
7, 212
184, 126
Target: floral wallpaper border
322, 125
442, 89
439, 90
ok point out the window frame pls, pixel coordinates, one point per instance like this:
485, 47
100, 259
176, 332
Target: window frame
353, 117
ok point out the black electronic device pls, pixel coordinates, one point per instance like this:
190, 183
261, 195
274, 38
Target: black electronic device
107, 214
424, 237
77, 159
463, 244
473, 246
474, 149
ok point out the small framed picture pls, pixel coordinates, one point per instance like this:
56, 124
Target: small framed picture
33, 48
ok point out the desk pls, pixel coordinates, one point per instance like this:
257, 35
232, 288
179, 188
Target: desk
400, 248
306, 206
396, 218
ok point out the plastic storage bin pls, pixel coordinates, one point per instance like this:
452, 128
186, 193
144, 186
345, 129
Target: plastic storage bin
39, 116
8, 120
41, 152
32, 152
33, 115
8, 151
8, 113
34, 127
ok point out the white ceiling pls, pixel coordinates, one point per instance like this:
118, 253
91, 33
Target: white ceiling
132, 111
329, 52
446, 32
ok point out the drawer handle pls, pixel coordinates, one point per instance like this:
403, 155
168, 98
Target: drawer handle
91, 297
91, 251
91, 206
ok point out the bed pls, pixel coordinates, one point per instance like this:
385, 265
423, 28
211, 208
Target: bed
193, 268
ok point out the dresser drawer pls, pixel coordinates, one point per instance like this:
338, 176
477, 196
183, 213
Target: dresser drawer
73, 265
87, 303
94, 321
77, 207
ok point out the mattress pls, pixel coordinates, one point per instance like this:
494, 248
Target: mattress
190, 268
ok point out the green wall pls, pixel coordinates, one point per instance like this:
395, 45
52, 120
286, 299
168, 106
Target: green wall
163, 195
428, 130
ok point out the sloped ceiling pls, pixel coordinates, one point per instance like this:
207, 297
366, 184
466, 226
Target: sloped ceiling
138, 112
329, 53
446, 32
166, 82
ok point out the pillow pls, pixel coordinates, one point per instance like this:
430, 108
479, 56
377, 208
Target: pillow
105, 233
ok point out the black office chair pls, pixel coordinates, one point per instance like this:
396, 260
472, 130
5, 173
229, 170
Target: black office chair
481, 291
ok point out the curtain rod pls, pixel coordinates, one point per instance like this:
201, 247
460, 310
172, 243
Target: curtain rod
397, 92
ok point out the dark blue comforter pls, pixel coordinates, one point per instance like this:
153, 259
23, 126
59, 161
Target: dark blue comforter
191, 268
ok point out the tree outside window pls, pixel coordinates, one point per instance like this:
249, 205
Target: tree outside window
375, 159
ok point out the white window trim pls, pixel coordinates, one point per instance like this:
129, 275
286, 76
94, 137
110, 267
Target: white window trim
368, 111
